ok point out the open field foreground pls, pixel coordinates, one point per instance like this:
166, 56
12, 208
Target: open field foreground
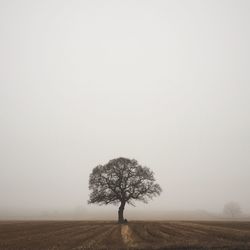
135, 235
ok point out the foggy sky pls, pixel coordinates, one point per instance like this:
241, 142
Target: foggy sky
164, 82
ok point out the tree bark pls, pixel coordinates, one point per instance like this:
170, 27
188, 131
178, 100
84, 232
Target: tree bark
120, 212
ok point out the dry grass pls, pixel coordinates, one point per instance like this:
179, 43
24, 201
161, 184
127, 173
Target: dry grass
136, 235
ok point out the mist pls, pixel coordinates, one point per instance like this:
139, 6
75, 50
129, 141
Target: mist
164, 82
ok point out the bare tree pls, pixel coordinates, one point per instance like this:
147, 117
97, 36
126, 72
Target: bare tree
122, 181
232, 209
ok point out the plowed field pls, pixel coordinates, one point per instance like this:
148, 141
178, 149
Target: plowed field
135, 235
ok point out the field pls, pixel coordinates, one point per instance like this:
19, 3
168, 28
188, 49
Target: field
134, 235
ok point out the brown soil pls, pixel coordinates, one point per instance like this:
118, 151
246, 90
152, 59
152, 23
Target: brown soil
135, 235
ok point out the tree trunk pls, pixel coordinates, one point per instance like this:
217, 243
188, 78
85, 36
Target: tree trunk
120, 212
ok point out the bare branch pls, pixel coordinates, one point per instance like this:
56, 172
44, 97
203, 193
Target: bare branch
122, 180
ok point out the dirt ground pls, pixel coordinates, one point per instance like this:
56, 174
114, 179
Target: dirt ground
135, 235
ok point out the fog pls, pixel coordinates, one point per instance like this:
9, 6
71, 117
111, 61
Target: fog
164, 82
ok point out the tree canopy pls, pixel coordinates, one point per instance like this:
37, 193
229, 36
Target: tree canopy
232, 209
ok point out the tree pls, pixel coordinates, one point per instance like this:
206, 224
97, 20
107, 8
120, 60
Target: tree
232, 209
122, 181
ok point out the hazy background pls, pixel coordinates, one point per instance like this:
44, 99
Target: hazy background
164, 82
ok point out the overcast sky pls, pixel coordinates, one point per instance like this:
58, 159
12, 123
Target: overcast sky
164, 82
